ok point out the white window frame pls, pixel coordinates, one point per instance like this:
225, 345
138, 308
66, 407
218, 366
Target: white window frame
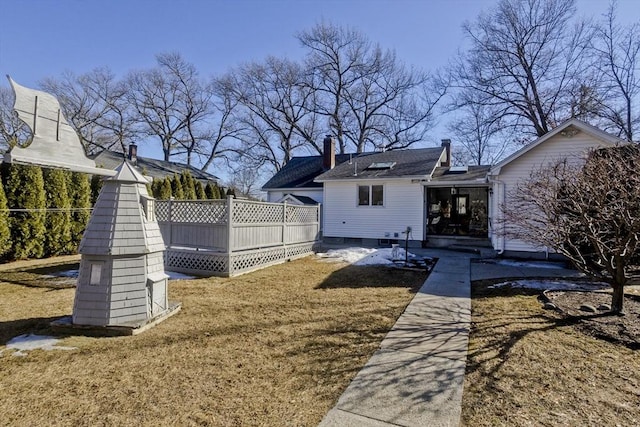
95, 273
370, 195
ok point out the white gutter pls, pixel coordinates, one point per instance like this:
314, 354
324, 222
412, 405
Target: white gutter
374, 178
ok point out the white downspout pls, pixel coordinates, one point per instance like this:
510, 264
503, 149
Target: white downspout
501, 200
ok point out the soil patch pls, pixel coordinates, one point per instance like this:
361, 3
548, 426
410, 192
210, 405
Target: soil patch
598, 323
590, 309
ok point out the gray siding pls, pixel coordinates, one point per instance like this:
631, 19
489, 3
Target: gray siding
129, 244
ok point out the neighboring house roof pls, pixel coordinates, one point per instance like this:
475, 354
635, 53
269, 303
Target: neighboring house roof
153, 167
562, 127
303, 200
473, 174
299, 172
418, 163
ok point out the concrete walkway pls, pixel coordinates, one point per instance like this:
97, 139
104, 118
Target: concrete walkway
416, 377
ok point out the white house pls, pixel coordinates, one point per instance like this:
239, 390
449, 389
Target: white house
570, 140
377, 198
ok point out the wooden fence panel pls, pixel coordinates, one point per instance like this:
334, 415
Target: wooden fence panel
249, 234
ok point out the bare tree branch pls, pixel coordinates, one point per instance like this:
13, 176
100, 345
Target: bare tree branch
587, 213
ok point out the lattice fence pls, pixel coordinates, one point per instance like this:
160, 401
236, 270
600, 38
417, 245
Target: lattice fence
192, 211
202, 239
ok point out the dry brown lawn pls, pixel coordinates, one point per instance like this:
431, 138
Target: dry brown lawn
272, 348
529, 367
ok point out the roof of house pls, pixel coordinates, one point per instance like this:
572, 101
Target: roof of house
299, 172
152, 167
419, 162
302, 199
471, 174
562, 127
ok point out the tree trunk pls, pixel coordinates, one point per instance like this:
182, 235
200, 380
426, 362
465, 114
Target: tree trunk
617, 299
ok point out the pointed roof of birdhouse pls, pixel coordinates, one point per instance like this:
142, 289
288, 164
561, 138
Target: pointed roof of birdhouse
119, 224
126, 172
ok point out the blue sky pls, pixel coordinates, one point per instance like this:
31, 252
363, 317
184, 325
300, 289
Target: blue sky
42, 38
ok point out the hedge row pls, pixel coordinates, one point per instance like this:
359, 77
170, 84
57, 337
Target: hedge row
43, 212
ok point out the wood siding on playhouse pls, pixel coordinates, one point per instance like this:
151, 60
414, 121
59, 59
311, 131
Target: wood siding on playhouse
557, 147
403, 206
126, 242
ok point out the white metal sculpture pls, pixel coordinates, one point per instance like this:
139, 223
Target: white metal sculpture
54, 143
122, 282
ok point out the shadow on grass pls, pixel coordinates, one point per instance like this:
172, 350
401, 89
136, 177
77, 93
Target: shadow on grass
386, 383
42, 277
498, 346
355, 276
35, 325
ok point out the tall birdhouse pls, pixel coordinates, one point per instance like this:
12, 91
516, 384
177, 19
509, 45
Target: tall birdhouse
121, 280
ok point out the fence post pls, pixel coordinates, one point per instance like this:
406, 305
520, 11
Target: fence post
284, 223
229, 235
318, 221
170, 214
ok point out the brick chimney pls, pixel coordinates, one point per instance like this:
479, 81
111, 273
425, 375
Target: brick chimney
133, 154
329, 153
446, 143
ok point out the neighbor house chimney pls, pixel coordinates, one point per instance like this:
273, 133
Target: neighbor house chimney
446, 143
329, 153
133, 154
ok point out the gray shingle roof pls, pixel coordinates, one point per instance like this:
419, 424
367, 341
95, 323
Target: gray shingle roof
303, 199
153, 167
474, 174
117, 225
299, 172
408, 163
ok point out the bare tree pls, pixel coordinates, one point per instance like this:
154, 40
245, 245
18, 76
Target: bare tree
274, 109
13, 131
333, 56
246, 181
478, 132
410, 116
587, 213
524, 57
170, 104
226, 132
368, 97
95, 105
617, 61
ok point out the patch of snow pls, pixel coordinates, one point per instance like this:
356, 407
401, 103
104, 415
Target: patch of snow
67, 273
552, 285
74, 274
528, 264
364, 256
349, 255
384, 256
27, 342
173, 275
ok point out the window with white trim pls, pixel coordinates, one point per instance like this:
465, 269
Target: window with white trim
96, 273
370, 195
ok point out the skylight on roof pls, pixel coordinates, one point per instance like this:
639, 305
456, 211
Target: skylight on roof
381, 165
458, 169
